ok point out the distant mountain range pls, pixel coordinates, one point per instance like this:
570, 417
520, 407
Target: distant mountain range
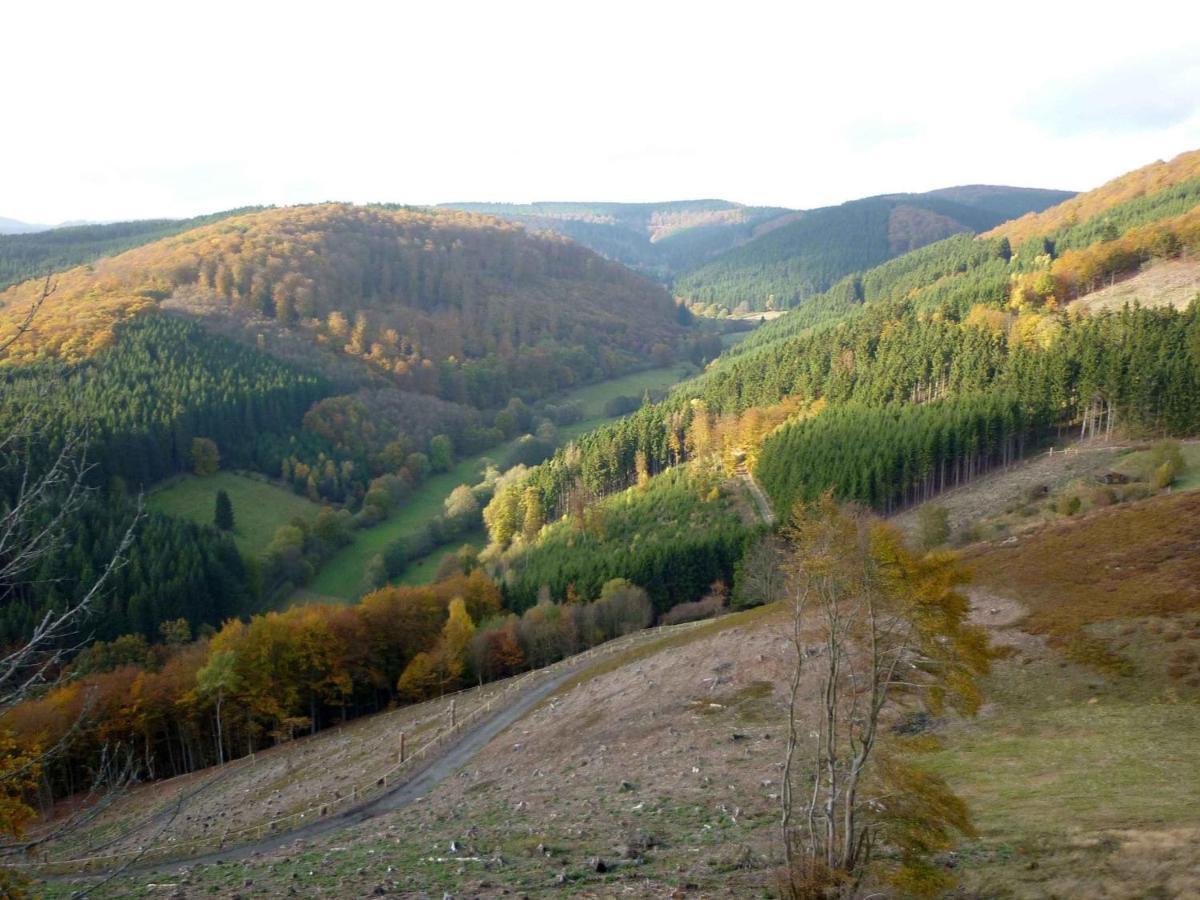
757, 257
716, 254
658, 239
14, 226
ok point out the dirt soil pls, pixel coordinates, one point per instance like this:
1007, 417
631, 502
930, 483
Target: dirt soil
648, 777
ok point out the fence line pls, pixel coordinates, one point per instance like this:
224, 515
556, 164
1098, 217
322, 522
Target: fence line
358, 796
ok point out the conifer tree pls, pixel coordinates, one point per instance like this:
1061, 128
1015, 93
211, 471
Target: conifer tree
223, 514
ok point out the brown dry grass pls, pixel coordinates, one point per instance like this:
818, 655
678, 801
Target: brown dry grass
1173, 282
1116, 563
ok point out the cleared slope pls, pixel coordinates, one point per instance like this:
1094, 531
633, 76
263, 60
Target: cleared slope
662, 762
1170, 282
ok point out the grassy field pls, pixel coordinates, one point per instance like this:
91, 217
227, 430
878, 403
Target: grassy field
1081, 769
259, 507
1139, 465
593, 396
341, 577
423, 570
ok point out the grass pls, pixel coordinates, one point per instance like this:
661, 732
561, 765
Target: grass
1138, 464
592, 397
341, 577
259, 507
1081, 774
423, 571
1066, 775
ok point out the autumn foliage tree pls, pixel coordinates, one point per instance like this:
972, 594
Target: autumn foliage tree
891, 638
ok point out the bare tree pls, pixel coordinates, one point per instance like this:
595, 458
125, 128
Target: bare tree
891, 637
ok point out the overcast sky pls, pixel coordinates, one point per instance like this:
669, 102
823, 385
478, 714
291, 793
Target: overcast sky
128, 110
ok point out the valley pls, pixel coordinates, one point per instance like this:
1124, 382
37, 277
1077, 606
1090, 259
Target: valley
690, 548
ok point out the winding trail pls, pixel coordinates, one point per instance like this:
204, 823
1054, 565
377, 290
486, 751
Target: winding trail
456, 754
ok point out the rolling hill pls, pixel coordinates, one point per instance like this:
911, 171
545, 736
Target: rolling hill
347, 353
797, 260
1154, 180
15, 226
655, 768
36, 251
914, 376
659, 239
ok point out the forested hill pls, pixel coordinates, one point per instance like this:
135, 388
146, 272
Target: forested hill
24, 256
465, 307
1179, 174
924, 371
797, 260
659, 239
349, 352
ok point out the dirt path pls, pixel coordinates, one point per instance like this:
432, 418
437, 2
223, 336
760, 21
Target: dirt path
455, 756
756, 493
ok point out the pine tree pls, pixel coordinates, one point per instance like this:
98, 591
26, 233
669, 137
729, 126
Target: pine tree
223, 514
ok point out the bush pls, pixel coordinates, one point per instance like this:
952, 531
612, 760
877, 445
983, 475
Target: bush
623, 405
705, 608
396, 557
529, 451
1167, 461
1068, 504
933, 526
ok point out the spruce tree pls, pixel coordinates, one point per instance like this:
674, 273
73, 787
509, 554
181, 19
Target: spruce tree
223, 516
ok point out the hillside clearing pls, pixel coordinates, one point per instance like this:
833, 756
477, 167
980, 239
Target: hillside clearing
1171, 282
662, 760
259, 506
662, 763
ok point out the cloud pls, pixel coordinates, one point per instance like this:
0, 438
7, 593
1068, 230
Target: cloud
1140, 95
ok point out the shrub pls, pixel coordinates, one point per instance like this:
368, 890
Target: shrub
933, 526
1068, 504
705, 608
620, 406
1167, 461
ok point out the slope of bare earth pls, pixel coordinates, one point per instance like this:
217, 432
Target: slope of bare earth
273, 784
655, 773
1172, 282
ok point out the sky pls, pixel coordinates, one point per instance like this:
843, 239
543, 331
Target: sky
122, 110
